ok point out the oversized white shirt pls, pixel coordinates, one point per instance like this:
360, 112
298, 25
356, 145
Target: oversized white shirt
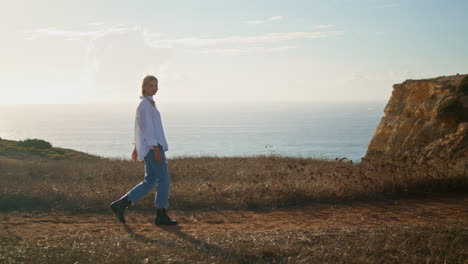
148, 128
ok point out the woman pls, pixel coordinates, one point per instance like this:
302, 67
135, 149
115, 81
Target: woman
150, 145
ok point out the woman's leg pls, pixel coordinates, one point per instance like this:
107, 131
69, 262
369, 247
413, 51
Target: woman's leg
162, 174
162, 196
148, 183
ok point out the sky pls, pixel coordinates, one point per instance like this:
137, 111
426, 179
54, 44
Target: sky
76, 52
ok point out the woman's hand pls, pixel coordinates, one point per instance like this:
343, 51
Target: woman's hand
134, 154
157, 154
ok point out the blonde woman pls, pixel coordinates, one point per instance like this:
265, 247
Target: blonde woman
150, 145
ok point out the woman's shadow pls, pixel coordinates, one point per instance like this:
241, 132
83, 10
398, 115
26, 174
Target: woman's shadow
177, 230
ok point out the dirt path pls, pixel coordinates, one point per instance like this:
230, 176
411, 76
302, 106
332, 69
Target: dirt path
448, 209
412, 230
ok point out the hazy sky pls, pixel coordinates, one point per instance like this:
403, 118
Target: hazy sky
99, 51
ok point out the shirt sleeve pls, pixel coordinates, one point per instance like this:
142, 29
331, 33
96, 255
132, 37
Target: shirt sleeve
145, 122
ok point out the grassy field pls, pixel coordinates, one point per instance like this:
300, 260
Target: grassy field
38, 183
83, 183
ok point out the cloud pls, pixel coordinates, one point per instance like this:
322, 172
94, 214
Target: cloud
105, 37
125, 45
75, 34
61, 33
125, 50
391, 75
322, 26
96, 23
268, 20
161, 40
121, 58
116, 57
254, 39
381, 3
386, 6
248, 49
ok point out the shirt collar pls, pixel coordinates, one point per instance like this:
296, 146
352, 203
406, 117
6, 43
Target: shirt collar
148, 96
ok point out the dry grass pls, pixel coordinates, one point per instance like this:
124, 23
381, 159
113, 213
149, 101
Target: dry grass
384, 244
269, 181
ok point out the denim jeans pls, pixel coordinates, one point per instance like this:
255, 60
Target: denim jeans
156, 174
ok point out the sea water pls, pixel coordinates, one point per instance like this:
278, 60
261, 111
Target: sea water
325, 130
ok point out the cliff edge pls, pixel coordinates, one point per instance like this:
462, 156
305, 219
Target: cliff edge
425, 118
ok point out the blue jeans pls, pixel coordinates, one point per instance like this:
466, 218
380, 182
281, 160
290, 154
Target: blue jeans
156, 174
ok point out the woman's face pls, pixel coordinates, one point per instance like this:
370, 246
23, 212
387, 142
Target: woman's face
152, 87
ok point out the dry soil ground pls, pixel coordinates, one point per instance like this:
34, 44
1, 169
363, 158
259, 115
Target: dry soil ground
218, 236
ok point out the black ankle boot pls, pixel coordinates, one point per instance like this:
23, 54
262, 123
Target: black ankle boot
118, 207
162, 218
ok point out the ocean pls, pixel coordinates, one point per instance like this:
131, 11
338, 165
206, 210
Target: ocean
313, 129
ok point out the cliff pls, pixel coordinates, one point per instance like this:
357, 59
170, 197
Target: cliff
425, 118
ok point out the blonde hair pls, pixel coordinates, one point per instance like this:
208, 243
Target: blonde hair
146, 80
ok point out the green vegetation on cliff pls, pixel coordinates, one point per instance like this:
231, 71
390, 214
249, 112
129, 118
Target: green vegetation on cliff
38, 149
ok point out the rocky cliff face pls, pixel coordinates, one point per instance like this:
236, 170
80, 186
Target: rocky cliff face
425, 118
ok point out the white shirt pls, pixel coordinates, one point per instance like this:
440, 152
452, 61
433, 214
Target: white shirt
148, 128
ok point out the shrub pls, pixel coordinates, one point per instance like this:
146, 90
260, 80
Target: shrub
35, 143
463, 86
450, 107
